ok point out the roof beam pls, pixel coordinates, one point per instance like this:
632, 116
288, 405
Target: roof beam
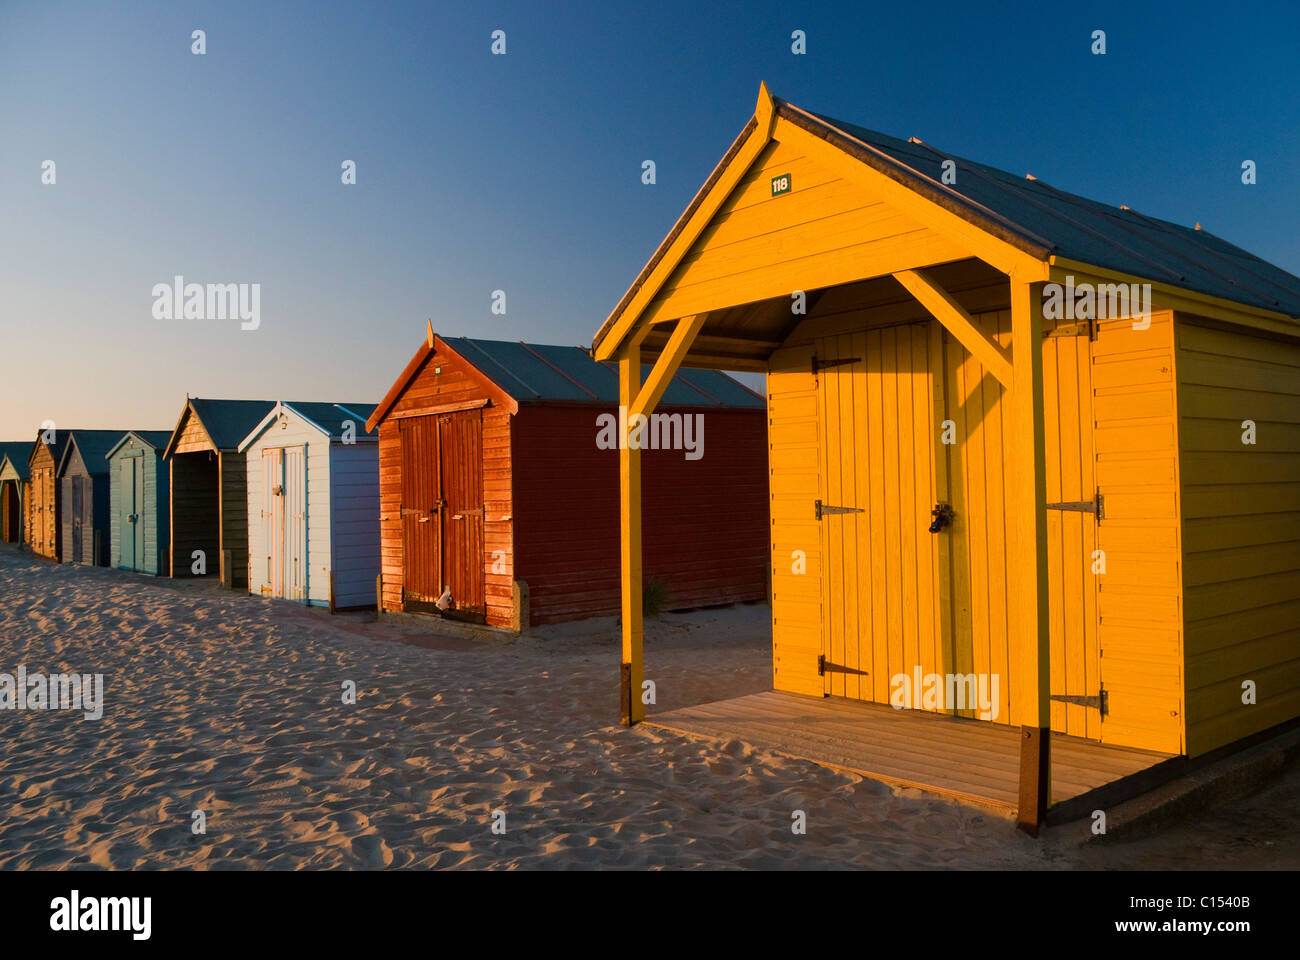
991, 354
665, 368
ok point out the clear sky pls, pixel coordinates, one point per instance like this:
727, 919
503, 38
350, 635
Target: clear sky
522, 172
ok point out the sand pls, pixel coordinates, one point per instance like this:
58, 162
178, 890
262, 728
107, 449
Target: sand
232, 705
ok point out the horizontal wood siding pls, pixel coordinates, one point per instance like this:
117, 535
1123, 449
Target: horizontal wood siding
354, 522
826, 231
234, 515
1139, 597
498, 517
1241, 530
703, 521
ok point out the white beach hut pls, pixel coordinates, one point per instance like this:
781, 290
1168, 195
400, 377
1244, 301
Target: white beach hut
313, 504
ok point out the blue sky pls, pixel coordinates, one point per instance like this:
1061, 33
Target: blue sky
522, 172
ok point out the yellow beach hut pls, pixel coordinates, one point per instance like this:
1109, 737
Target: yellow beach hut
1044, 446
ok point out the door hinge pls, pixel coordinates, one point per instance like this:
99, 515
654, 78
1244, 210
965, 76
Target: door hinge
1100, 702
820, 509
821, 665
1084, 328
1096, 506
823, 364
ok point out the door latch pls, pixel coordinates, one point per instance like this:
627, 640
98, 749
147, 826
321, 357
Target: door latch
943, 516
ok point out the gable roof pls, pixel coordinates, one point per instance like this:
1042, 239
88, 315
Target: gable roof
93, 445
226, 422
1115, 237
542, 373
154, 439
327, 418
1039, 221
16, 452
56, 448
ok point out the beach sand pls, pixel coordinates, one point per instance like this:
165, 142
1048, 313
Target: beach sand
232, 705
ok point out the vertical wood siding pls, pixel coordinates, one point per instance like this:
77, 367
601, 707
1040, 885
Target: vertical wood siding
794, 427
1241, 530
43, 507
354, 522
452, 386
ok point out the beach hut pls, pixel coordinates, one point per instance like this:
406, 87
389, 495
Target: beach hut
138, 502
313, 504
496, 465
13, 489
209, 497
1015, 435
41, 512
84, 496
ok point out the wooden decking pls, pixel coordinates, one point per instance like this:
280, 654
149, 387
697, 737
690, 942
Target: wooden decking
968, 760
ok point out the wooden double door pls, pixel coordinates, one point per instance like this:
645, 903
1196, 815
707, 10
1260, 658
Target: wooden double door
284, 519
442, 514
916, 525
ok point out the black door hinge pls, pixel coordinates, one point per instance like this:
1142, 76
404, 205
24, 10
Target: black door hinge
1100, 702
821, 665
820, 509
1095, 506
823, 364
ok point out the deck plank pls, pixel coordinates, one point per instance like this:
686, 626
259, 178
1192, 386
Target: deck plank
969, 760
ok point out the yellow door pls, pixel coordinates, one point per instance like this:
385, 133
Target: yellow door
910, 422
883, 618
981, 542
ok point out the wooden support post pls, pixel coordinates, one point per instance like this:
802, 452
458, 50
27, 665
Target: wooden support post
1030, 644
629, 482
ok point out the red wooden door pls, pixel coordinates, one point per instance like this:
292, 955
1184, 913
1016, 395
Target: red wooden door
420, 512
460, 441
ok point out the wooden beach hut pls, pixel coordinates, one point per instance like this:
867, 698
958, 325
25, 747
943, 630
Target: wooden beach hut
497, 495
41, 511
138, 502
84, 496
313, 504
1015, 435
209, 496
13, 489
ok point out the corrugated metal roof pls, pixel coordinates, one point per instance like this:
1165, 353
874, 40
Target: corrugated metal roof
17, 452
330, 416
229, 421
1077, 228
532, 372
